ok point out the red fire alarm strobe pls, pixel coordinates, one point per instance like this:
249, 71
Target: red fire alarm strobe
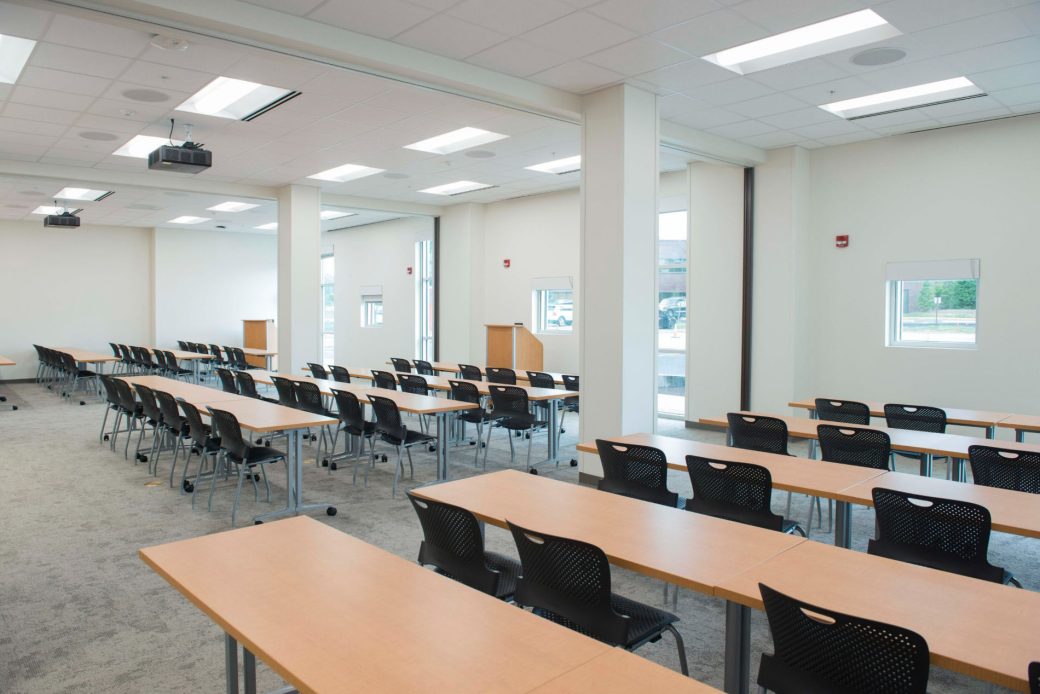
505, 263
409, 270
841, 241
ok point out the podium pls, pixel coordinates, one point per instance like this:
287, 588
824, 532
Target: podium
259, 334
513, 347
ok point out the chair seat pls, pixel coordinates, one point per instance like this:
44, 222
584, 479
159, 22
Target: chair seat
480, 416
366, 430
938, 560
256, 455
509, 570
86, 373
411, 438
646, 622
516, 422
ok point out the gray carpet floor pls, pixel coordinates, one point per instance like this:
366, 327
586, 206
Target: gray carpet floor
79, 612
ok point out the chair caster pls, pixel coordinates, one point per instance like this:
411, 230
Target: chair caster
331, 510
3, 398
14, 407
256, 477
333, 466
260, 442
385, 459
142, 458
325, 462
313, 437
256, 522
533, 471
527, 436
473, 443
562, 430
431, 449
188, 486
82, 402
574, 463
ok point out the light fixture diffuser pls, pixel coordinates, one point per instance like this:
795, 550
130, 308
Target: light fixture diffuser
909, 97
226, 97
558, 166
232, 206
456, 188
456, 140
51, 209
140, 146
189, 219
14, 54
69, 193
270, 226
335, 214
829, 36
347, 172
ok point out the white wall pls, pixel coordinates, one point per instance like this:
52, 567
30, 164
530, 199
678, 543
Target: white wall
377, 254
461, 284
207, 283
71, 288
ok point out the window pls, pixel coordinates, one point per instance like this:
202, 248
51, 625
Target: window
424, 308
371, 307
553, 302
328, 308
932, 304
671, 313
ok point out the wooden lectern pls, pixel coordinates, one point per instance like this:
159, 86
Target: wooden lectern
513, 347
259, 334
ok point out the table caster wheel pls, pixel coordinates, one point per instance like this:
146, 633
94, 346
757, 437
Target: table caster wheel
188, 487
533, 471
333, 466
106, 437
256, 477
3, 398
82, 402
331, 510
259, 442
325, 462
258, 522
431, 449
562, 430
384, 458
574, 463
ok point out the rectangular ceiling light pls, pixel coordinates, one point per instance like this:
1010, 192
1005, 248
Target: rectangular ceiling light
456, 140
82, 194
14, 54
50, 209
232, 206
909, 97
335, 214
270, 226
558, 166
347, 172
140, 146
225, 97
188, 219
829, 36
456, 188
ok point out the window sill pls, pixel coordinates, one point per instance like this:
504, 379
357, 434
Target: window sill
956, 346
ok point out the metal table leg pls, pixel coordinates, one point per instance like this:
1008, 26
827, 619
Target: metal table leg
249, 670
295, 506
443, 440
738, 648
842, 524
926, 465
231, 663
1020, 435
991, 431
554, 431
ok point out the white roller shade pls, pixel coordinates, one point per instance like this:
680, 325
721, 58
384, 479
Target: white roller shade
552, 283
967, 269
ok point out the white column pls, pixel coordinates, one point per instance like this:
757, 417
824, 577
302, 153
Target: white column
461, 293
617, 319
299, 277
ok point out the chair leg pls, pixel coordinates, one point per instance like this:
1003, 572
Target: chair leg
101, 434
530, 440
397, 472
682, 649
238, 491
411, 468
218, 465
512, 449
480, 437
487, 444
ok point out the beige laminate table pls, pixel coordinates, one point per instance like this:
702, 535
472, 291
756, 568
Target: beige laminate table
1021, 423
192, 358
6, 361
984, 419
452, 367
310, 585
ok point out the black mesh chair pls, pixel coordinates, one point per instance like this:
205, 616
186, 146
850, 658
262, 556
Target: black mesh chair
115, 353
453, 545
1007, 469
844, 411
161, 367
1034, 677
464, 391
639, 472
384, 379
247, 385
424, 368
511, 404
152, 418
242, 456
540, 379
864, 447
309, 399
818, 650
182, 345
392, 430
569, 404
943, 534
503, 376
148, 364
111, 406
401, 365
230, 357
176, 430
352, 422
915, 418
129, 410
127, 359
340, 374
468, 372
217, 359
203, 443
757, 433
176, 370
739, 492
227, 381
318, 371
286, 391
74, 375
568, 582
240, 359
416, 385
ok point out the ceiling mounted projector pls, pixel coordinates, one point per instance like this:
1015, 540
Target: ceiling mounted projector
187, 158
65, 219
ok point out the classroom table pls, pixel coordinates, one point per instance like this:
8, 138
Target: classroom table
983, 419
199, 396
191, 357
621, 672
6, 361
451, 367
1021, 423
289, 591
267, 354
929, 445
981, 629
83, 356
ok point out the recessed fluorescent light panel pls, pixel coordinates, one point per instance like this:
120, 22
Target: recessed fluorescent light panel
140, 146
456, 188
456, 141
232, 206
14, 54
558, 166
82, 194
900, 99
188, 219
270, 226
50, 209
347, 172
335, 214
225, 97
829, 36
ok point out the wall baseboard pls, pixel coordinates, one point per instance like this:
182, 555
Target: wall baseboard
18, 380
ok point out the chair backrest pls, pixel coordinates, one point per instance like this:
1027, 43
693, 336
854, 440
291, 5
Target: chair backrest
943, 534
844, 411
246, 384
240, 358
111, 394
286, 391
170, 412
568, 581
68, 363
308, 397
500, 375
509, 400
318, 371
424, 368
125, 394
125, 352
115, 349
215, 351
182, 345
388, 419
864, 447
640, 472
411, 383
757, 433
230, 352
340, 373
738, 492
148, 404
350, 412
384, 379
1004, 468
171, 361
146, 356
569, 382
453, 543
470, 372
193, 417
230, 433
817, 649
464, 391
1034, 677
401, 365
916, 418
227, 381
540, 379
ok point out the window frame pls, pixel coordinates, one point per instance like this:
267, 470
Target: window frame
324, 286
894, 311
368, 304
540, 309
684, 268
425, 289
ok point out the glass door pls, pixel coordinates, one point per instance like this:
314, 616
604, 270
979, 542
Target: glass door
672, 265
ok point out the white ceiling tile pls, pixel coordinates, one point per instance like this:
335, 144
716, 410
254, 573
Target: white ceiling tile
711, 32
578, 76
686, 77
59, 80
799, 74
1007, 77
729, 92
847, 138
963, 107
287, 73
1018, 95
973, 33
518, 57
773, 140
165, 77
127, 112
833, 90
48, 98
69, 59
21, 21
767, 105
998, 55
294, 7
1031, 107
708, 118
909, 74
382, 19
639, 55
830, 128
33, 127
365, 114
578, 34
678, 104
915, 15
449, 36
888, 120
799, 118
437, 5
742, 129
646, 16
974, 116
201, 56
508, 16
117, 92
39, 113
906, 127
67, 30
777, 17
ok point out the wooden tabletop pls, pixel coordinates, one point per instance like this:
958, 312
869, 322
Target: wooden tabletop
260, 416
308, 586
453, 368
1012, 512
1022, 422
254, 352
954, 415
683, 548
85, 356
199, 396
444, 384
952, 445
621, 672
789, 473
180, 354
6, 361
978, 628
